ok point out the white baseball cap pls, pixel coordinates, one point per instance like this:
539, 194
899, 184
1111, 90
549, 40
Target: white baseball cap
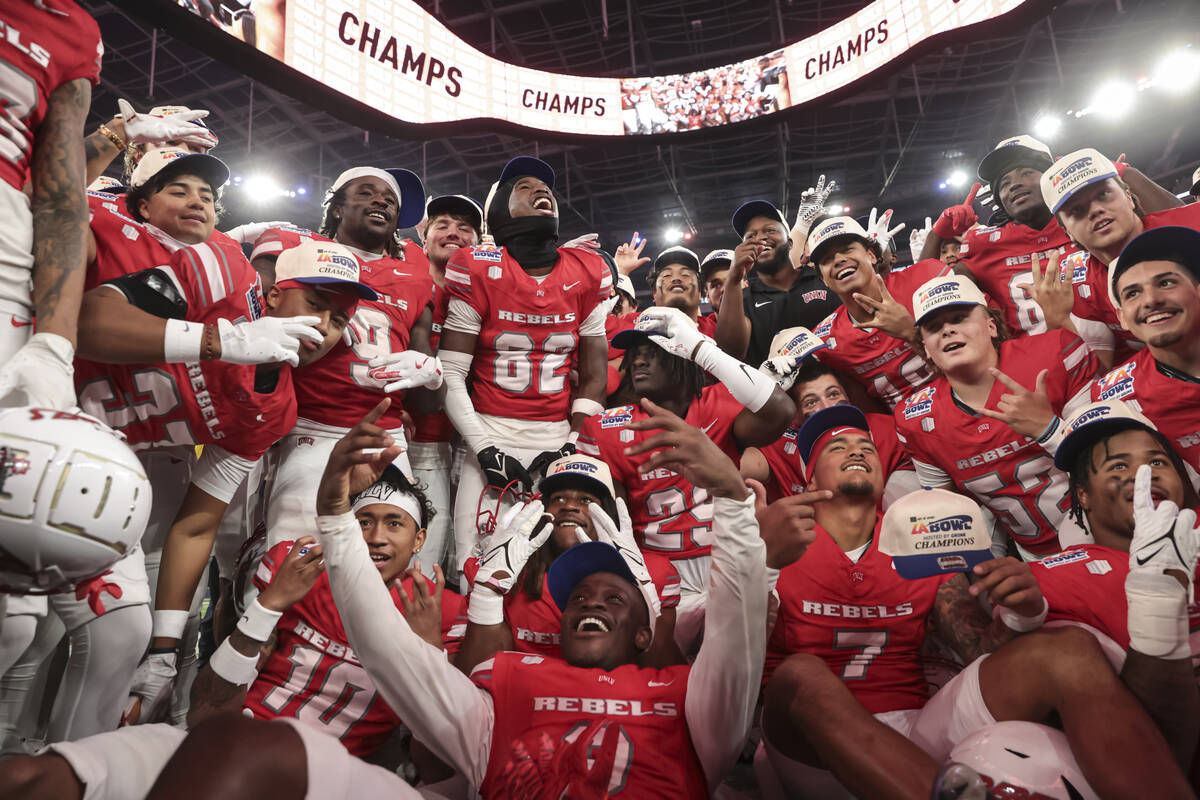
1071, 173
835, 229
797, 341
625, 284
104, 183
578, 468
933, 532
178, 161
1093, 421
409, 191
1196, 182
948, 290
1013, 152
313, 262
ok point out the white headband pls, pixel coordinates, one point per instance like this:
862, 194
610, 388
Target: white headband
386, 494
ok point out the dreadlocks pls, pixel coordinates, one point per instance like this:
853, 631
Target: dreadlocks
330, 222
680, 372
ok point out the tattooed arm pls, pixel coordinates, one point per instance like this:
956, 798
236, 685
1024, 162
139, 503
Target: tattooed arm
99, 150
961, 623
60, 211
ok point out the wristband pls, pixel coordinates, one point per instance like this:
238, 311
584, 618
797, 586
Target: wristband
573, 438
1019, 623
232, 666
168, 624
1157, 614
258, 622
586, 406
485, 607
182, 341
1050, 429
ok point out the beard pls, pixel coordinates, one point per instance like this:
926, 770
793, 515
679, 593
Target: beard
856, 487
781, 258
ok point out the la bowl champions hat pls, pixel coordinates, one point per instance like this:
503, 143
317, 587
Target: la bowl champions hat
934, 532
324, 263
947, 290
1073, 172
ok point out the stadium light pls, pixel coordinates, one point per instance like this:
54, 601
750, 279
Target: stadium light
672, 235
687, 236
262, 188
300, 190
1178, 71
1047, 126
957, 178
845, 209
1114, 99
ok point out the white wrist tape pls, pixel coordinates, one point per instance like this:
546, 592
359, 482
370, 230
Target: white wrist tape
182, 341
258, 622
168, 624
772, 578
232, 666
1157, 615
747, 385
485, 606
1021, 624
586, 406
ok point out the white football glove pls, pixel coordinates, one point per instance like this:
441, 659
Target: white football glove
1164, 538
916, 239
152, 683
812, 203
40, 374
406, 370
149, 129
877, 229
267, 340
677, 334
782, 370
620, 536
249, 233
589, 241
517, 537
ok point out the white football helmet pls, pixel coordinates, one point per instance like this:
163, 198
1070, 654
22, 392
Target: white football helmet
1024, 759
73, 499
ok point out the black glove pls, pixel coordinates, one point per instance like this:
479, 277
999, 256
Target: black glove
500, 469
547, 457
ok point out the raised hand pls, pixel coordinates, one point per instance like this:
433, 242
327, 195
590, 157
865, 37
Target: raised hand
544, 459
629, 257
150, 129
1029, 413
356, 462
916, 239
812, 204
787, 526
1052, 290
887, 314
782, 369
423, 611
877, 229
1165, 539
620, 536
295, 576
957, 220
686, 450
676, 333
521, 531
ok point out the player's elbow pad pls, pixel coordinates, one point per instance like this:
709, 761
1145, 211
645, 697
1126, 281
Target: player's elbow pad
152, 291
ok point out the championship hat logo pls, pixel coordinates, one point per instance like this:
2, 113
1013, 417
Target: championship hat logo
1117, 383
933, 532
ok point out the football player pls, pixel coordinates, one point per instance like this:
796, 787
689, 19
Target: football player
988, 424
1155, 287
871, 336
51, 55
675, 280
660, 733
574, 488
1127, 486
713, 271
813, 386
454, 222
666, 359
847, 691
999, 258
1102, 215
520, 316
288, 659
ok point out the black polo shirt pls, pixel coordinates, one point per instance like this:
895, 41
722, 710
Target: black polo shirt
770, 310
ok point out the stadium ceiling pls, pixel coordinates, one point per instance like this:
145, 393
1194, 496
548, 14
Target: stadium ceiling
890, 145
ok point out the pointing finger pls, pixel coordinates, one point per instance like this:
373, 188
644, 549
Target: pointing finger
1007, 381
974, 191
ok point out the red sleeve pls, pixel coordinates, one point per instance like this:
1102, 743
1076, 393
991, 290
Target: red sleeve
272, 560
891, 452
482, 674
1079, 364
88, 45
588, 442
604, 277
666, 578
208, 273
462, 279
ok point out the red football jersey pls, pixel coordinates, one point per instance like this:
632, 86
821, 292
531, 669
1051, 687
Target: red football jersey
887, 367
1090, 279
863, 619
1170, 399
123, 246
335, 390
42, 47
435, 427
1086, 583
669, 514
1009, 473
208, 402
544, 704
537, 624
1001, 259
529, 329
314, 675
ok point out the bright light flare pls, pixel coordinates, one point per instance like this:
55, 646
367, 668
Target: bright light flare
957, 179
1047, 126
1114, 99
1178, 72
672, 235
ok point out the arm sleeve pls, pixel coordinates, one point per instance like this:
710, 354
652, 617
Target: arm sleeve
462, 317
442, 706
459, 408
1094, 333
594, 324
220, 473
1080, 364
723, 683
931, 476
